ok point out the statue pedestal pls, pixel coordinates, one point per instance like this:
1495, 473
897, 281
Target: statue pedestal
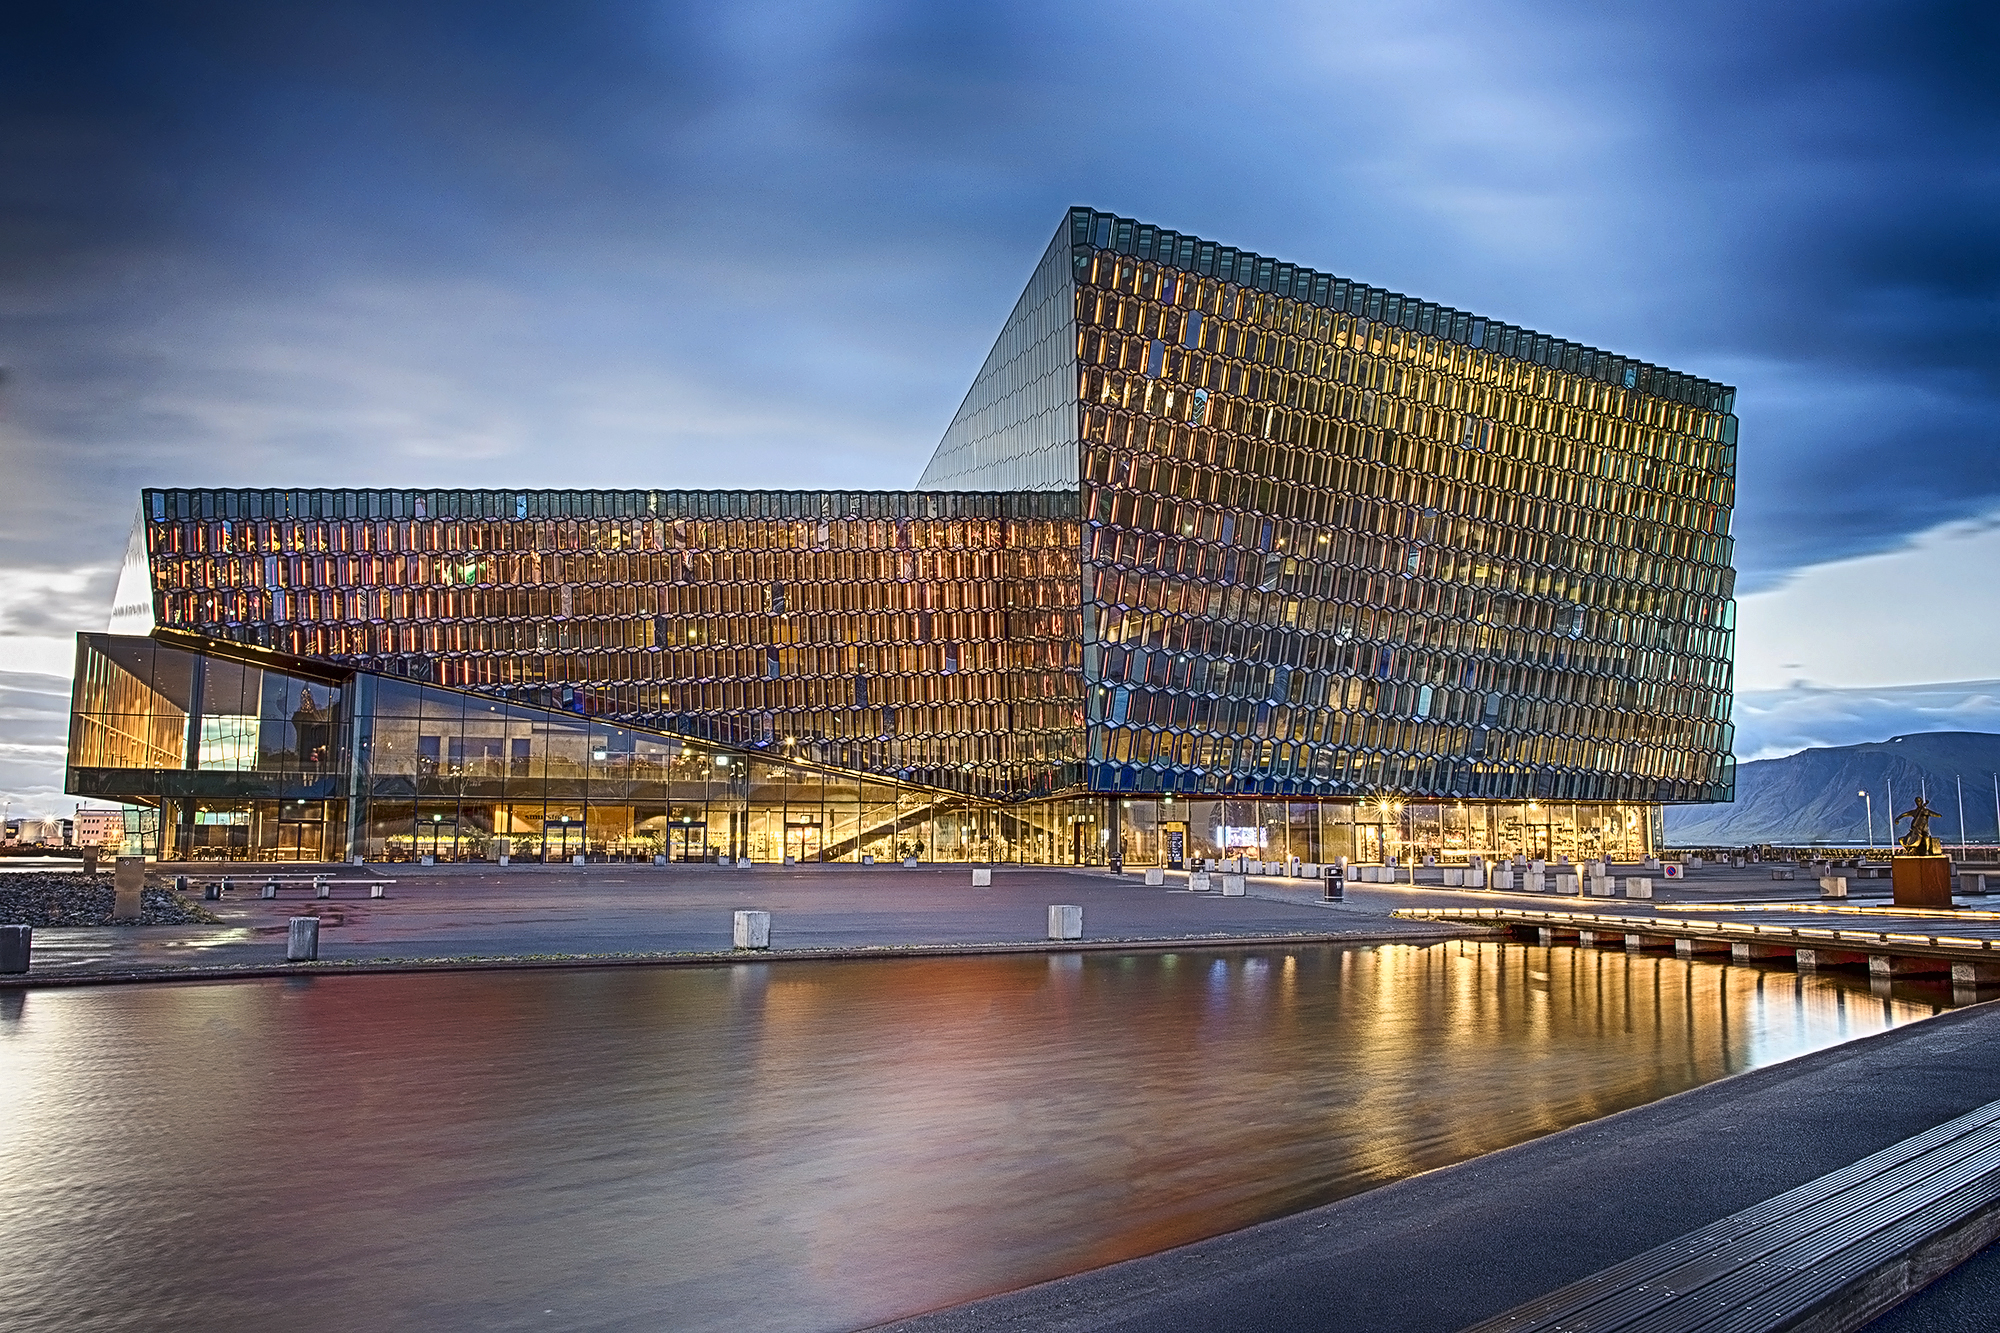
1922, 881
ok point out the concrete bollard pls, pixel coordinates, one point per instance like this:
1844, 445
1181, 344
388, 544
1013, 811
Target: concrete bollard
982, 878
1601, 886
128, 884
790, 860
1504, 880
321, 889
909, 863
270, 888
1198, 881
1232, 886
753, 930
1065, 921
1532, 882
358, 861
1638, 886
742, 863
1567, 884
868, 860
657, 860
302, 940
1155, 876
16, 943
1833, 886
378, 890
427, 860
577, 859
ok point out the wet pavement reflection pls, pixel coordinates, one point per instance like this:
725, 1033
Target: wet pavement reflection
796, 1145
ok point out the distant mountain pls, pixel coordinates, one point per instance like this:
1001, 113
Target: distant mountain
1812, 796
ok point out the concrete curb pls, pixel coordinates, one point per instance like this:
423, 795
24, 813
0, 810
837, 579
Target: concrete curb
710, 958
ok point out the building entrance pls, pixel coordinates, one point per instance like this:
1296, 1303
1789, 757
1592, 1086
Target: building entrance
562, 839
438, 837
802, 840
687, 842
301, 831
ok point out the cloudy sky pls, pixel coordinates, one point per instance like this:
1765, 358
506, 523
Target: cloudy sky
499, 244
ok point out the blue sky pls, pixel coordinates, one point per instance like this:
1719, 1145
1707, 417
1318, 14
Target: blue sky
757, 244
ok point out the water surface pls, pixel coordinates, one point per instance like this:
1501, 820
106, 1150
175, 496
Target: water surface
793, 1145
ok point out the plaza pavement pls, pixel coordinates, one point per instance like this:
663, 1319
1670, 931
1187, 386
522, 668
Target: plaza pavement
543, 912
546, 913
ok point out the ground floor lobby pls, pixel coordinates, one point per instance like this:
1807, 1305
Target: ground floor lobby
901, 824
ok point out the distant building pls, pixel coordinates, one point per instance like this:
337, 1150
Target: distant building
1220, 555
39, 832
99, 826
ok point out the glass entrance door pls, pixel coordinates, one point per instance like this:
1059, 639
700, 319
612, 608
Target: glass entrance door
438, 838
687, 842
802, 842
562, 839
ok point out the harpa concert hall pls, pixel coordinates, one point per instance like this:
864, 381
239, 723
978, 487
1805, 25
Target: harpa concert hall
1220, 555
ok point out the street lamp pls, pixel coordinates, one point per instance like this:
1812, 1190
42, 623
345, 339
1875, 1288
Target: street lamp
1871, 818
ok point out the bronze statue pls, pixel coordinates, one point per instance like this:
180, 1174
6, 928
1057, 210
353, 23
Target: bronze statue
1918, 841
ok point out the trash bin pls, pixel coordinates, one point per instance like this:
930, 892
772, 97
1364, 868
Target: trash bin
1336, 885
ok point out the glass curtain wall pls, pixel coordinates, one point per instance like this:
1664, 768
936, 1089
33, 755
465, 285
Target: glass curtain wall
929, 638
1338, 540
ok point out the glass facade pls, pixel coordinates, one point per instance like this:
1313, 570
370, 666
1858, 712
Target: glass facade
927, 637
1217, 546
1341, 541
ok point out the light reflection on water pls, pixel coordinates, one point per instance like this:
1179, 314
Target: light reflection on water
795, 1145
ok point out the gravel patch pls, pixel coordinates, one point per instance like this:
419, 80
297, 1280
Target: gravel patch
65, 899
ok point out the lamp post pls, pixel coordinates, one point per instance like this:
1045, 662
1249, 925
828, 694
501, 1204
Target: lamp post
1871, 818
1959, 782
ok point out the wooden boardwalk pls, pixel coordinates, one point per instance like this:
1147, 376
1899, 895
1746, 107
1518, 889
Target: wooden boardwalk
1884, 941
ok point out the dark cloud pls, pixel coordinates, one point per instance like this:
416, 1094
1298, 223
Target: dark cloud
1770, 723
442, 243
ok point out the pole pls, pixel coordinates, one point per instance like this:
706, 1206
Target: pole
1870, 807
1961, 814
1892, 812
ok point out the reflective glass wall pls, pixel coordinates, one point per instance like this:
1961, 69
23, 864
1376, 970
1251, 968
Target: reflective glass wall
1341, 541
932, 638
238, 760
225, 753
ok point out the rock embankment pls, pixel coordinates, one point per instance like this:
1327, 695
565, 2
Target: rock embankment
57, 899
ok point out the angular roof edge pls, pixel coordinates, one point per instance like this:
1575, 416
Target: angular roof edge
1208, 259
